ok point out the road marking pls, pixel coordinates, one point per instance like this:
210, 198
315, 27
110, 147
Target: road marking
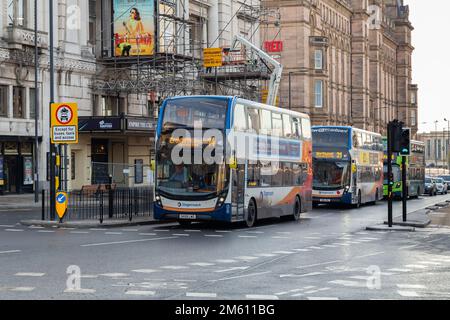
35, 227
261, 297
10, 251
79, 232
174, 267
283, 252
277, 237
223, 231
301, 250
297, 295
125, 242
190, 230
161, 230
255, 232
89, 276
22, 289
140, 293
348, 283
147, 234
319, 264
115, 275
266, 255
322, 298
98, 229
317, 290
79, 291
201, 264
144, 270
29, 274
226, 261
409, 294
411, 286
246, 258
301, 275
6, 226
329, 246
315, 248
214, 235
113, 233
181, 235
130, 230
312, 238
14, 230
201, 295
232, 269
431, 262
369, 255
416, 266
46, 231
399, 270
250, 237
242, 276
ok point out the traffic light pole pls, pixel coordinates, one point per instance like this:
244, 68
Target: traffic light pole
389, 160
404, 189
52, 100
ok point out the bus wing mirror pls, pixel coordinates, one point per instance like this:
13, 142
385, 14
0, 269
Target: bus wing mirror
233, 163
152, 165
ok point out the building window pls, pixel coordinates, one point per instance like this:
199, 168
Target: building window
428, 148
16, 12
318, 60
3, 101
413, 118
32, 103
92, 22
111, 106
318, 92
18, 102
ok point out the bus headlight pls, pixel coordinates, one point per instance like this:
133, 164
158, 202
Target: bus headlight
347, 189
221, 200
158, 200
398, 185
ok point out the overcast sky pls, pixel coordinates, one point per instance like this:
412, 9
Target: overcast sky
431, 61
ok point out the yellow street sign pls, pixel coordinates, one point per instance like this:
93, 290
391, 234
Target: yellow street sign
212, 57
64, 123
61, 204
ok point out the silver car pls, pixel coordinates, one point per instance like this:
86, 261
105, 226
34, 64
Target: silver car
441, 186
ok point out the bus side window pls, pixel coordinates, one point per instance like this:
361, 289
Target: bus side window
296, 128
253, 120
266, 173
240, 122
266, 122
306, 128
253, 175
277, 124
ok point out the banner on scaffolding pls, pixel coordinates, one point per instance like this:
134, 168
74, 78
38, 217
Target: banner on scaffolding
134, 28
212, 57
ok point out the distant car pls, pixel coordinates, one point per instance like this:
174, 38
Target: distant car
447, 180
441, 186
430, 186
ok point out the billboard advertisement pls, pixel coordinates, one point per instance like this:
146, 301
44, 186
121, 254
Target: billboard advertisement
134, 27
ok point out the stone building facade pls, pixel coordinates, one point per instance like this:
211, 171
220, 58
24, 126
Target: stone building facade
349, 61
437, 148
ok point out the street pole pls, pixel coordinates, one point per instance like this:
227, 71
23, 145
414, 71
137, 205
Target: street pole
36, 107
389, 155
290, 91
404, 190
435, 144
52, 100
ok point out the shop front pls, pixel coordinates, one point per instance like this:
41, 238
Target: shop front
16, 165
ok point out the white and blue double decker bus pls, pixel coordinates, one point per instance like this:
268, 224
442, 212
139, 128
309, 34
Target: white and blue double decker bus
347, 165
270, 175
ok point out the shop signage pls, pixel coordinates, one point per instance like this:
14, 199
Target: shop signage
27, 171
64, 123
138, 171
2, 177
100, 124
139, 124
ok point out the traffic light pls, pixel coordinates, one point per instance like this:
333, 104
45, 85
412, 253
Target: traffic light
405, 142
395, 133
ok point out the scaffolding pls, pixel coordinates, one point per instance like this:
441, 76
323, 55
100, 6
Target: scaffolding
176, 67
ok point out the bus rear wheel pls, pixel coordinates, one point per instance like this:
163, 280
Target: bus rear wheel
297, 209
358, 204
250, 220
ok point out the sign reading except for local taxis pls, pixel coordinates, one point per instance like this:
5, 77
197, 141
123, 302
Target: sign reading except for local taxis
212, 57
64, 123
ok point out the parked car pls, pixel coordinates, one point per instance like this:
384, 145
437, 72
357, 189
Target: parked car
430, 186
447, 180
441, 186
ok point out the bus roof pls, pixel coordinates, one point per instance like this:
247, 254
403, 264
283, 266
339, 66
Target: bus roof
347, 127
247, 102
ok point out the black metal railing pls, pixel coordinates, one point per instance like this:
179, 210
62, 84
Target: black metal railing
104, 203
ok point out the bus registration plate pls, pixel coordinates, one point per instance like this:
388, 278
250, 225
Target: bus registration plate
325, 200
187, 216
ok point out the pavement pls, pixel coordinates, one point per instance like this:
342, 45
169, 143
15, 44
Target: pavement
328, 254
19, 201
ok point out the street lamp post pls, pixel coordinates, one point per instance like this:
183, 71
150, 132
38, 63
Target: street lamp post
436, 144
448, 143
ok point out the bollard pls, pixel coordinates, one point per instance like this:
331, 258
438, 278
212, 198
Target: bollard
43, 204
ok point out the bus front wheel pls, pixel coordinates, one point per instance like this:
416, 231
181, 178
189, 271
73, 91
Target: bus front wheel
251, 214
358, 204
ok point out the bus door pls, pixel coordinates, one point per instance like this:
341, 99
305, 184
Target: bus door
354, 180
238, 192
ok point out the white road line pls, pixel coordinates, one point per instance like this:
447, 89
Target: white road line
312, 238
255, 232
174, 267
242, 276
223, 231
201, 295
416, 266
14, 230
115, 275
408, 294
147, 234
98, 229
399, 270
301, 250
317, 290
181, 235
315, 248
145, 270
6, 226
261, 297
411, 286
113, 233
322, 298
201, 264
266, 255
246, 258
329, 246
312, 274
35, 227
190, 230
22, 289
79, 232
125, 242
214, 235
161, 230
82, 291
250, 237
130, 230
431, 262
29, 274
10, 251
226, 261
319, 264
231, 269
277, 237
283, 252
369, 255
140, 293
348, 283
46, 231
